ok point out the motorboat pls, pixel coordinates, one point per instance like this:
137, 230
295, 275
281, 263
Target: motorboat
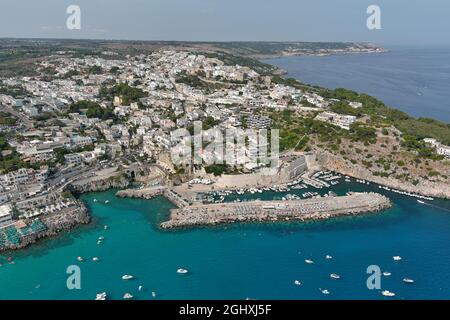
335, 276
80, 259
128, 296
297, 283
408, 280
127, 277
328, 257
308, 261
153, 294
182, 271
420, 201
324, 291
386, 274
106, 201
397, 258
387, 293
95, 259
101, 296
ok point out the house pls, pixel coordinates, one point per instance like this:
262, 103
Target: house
6, 215
343, 121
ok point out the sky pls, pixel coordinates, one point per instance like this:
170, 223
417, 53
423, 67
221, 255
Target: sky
407, 22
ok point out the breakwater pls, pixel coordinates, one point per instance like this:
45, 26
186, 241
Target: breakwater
302, 210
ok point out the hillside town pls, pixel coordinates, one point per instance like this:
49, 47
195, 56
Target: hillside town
109, 118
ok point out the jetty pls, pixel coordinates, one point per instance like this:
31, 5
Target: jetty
301, 210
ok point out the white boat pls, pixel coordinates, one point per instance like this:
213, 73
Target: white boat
127, 277
80, 259
95, 200
105, 227
335, 276
95, 259
101, 238
387, 293
140, 288
328, 257
397, 258
309, 261
324, 291
153, 294
99, 242
182, 271
386, 274
100, 296
408, 280
128, 296
420, 201
106, 201
297, 283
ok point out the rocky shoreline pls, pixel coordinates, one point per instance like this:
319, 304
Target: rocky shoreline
424, 187
100, 185
64, 220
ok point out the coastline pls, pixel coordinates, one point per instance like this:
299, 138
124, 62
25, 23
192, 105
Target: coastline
324, 54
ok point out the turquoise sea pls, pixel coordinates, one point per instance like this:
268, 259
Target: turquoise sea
262, 261
239, 261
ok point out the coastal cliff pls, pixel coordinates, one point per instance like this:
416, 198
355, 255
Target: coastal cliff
55, 223
97, 185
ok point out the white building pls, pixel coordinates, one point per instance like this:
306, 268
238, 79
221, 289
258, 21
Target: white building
6, 215
343, 121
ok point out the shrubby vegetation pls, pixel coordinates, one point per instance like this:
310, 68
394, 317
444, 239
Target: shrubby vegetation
94, 110
128, 94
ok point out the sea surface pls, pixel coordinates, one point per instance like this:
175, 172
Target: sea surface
253, 260
262, 260
413, 79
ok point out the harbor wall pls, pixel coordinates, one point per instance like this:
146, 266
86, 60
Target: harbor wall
301, 210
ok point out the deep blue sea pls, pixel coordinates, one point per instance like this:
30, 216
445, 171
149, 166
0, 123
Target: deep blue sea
262, 261
413, 79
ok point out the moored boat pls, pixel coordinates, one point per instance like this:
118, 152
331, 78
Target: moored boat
408, 280
387, 293
128, 296
101, 296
